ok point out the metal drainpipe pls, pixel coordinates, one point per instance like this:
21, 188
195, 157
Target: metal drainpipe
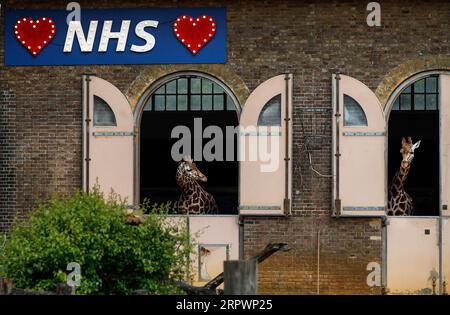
287, 202
440, 290
318, 262
87, 122
337, 201
241, 237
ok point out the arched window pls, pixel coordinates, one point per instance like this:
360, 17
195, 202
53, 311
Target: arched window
421, 95
103, 114
190, 94
353, 113
271, 113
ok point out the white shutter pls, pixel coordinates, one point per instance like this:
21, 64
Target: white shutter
444, 108
107, 150
359, 142
265, 181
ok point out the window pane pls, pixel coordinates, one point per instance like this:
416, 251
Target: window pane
407, 90
195, 85
207, 86
431, 85
271, 113
230, 103
395, 107
432, 102
419, 86
353, 113
207, 102
171, 87
161, 90
160, 102
218, 102
182, 86
195, 102
148, 105
171, 102
405, 102
419, 102
182, 102
103, 114
218, 89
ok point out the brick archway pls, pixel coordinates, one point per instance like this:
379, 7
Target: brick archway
406, 70
150, 74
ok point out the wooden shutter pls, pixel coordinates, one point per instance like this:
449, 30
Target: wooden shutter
264, 189
107, 150
359, 140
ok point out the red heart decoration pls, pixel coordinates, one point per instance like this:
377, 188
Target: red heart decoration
35, 35
194, 33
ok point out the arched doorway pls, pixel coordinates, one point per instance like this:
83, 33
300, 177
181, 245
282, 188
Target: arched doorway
417, 250
194, 100
415, 114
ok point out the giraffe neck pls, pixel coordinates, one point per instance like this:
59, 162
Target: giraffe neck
398, 182
188, 185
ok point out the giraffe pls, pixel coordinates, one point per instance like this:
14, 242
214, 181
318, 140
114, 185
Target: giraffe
194, 199
400, 202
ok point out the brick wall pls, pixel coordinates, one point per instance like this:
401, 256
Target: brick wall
40, 116
7, 158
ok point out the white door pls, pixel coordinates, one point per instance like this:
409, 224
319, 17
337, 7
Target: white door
216, 239
412, 255
265, 144
107, 139
359, 137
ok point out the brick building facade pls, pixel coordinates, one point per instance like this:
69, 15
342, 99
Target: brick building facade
41, 119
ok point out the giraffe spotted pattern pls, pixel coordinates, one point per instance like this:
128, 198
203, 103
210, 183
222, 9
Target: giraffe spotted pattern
400, 202
193, 199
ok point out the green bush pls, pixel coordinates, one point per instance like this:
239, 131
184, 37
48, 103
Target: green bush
115, 257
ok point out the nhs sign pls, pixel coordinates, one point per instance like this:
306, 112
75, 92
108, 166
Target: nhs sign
115, 36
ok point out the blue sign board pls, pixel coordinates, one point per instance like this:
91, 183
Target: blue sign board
115, 36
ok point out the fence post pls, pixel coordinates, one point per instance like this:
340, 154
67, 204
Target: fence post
5, 286
241, 277
65, 289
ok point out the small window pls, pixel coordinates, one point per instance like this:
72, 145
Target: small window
103, 114
271, 113
422, 95
353, 113
190, 93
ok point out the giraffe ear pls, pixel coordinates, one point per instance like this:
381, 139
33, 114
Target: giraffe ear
409, 140
403, 141
416, 145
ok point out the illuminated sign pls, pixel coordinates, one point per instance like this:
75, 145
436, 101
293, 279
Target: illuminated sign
115, 36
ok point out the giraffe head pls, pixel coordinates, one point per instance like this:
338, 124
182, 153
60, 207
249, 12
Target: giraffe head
188, 168
407, 149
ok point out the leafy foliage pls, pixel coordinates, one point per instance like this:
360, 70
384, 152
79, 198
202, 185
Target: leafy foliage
115, 257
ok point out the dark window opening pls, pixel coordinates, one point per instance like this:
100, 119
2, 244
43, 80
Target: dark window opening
418, 118
175, 103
